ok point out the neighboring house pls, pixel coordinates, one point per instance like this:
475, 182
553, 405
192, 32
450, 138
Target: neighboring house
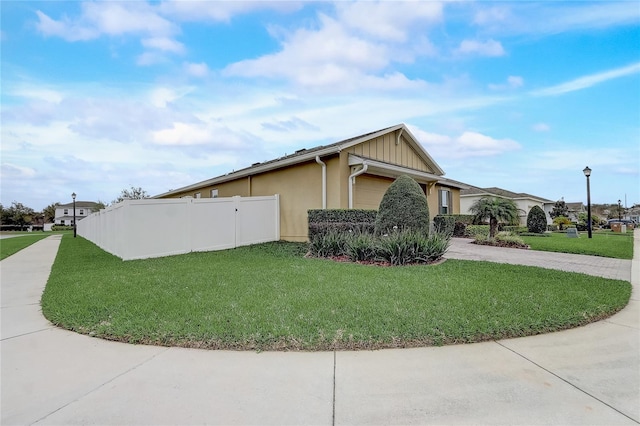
523, 201
353, 173
64, 212
574, 210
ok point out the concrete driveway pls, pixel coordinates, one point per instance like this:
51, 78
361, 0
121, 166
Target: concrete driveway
588, 375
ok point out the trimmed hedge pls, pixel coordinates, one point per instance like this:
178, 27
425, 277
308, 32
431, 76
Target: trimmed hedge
20, 227
478, 231
323, 221
404, 206
536, 220
460, 223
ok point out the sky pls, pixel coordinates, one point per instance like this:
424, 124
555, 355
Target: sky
100, 96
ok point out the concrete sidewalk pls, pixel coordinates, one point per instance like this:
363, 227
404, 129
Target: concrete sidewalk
588, 375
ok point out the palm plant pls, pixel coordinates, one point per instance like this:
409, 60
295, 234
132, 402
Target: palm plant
496, 210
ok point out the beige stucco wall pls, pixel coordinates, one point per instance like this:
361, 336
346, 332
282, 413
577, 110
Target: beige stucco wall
369, 190
300, 189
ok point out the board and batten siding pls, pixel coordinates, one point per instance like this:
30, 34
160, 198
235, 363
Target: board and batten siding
384, 149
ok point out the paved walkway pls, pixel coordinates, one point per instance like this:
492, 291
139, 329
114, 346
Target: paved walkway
588, 375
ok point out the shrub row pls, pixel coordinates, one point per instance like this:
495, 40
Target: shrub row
322, 221
502, 239
454, 223
20, 227
396, 248
62, 228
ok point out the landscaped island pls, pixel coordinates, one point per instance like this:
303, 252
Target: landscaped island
270, 297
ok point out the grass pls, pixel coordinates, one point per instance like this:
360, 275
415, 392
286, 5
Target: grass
9, 246
605, 244
269, 297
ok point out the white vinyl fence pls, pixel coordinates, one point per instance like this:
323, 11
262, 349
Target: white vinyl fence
140, 229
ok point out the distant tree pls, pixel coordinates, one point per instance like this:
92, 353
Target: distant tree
559, 209
561, 221
583, 217
19, 214
5, 215
99, 206
49, 212
536, 220
131, 194
496, 210
404, 207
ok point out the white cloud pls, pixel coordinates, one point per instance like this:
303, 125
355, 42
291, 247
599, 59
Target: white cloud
588, 81
222, 11
328, 58
475, 47
39, 93
150, 58
541, 127
513, 82
388, 20
163, 43
12, 171
107, 18
160, 97
601, 160
182, 134
196, 69
468, 144
491, 15
540, 19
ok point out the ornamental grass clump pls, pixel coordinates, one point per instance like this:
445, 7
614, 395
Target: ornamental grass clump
328, 244
404, 247
361, 247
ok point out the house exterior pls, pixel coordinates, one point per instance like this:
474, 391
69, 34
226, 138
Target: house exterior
64, 212
574, 210
523, 201
353, 173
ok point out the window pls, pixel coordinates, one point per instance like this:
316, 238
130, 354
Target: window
66, 211
81, 211
444, 201
197, 195
214, 193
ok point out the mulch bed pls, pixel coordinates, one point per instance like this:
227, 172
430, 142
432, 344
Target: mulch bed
507, 244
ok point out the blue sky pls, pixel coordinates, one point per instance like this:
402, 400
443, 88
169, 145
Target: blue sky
99, 96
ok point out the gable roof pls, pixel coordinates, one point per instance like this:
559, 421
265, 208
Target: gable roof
79, 204
499, 192
304, 155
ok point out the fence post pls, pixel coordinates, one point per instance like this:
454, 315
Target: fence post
277, 207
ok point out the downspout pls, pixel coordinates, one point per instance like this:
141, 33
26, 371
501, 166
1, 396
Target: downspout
399, 136
324, 181
352, 180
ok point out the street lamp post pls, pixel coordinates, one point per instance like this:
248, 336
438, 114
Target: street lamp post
620, 210
73, 195
587, 173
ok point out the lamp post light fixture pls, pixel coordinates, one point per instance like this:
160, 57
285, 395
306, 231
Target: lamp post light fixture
587, 173
73, 195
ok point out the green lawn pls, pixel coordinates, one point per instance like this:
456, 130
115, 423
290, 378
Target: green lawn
605, 244
9, 246
269, 297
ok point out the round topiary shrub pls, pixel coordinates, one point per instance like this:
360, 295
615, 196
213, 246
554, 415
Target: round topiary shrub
404, 206
536, 220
